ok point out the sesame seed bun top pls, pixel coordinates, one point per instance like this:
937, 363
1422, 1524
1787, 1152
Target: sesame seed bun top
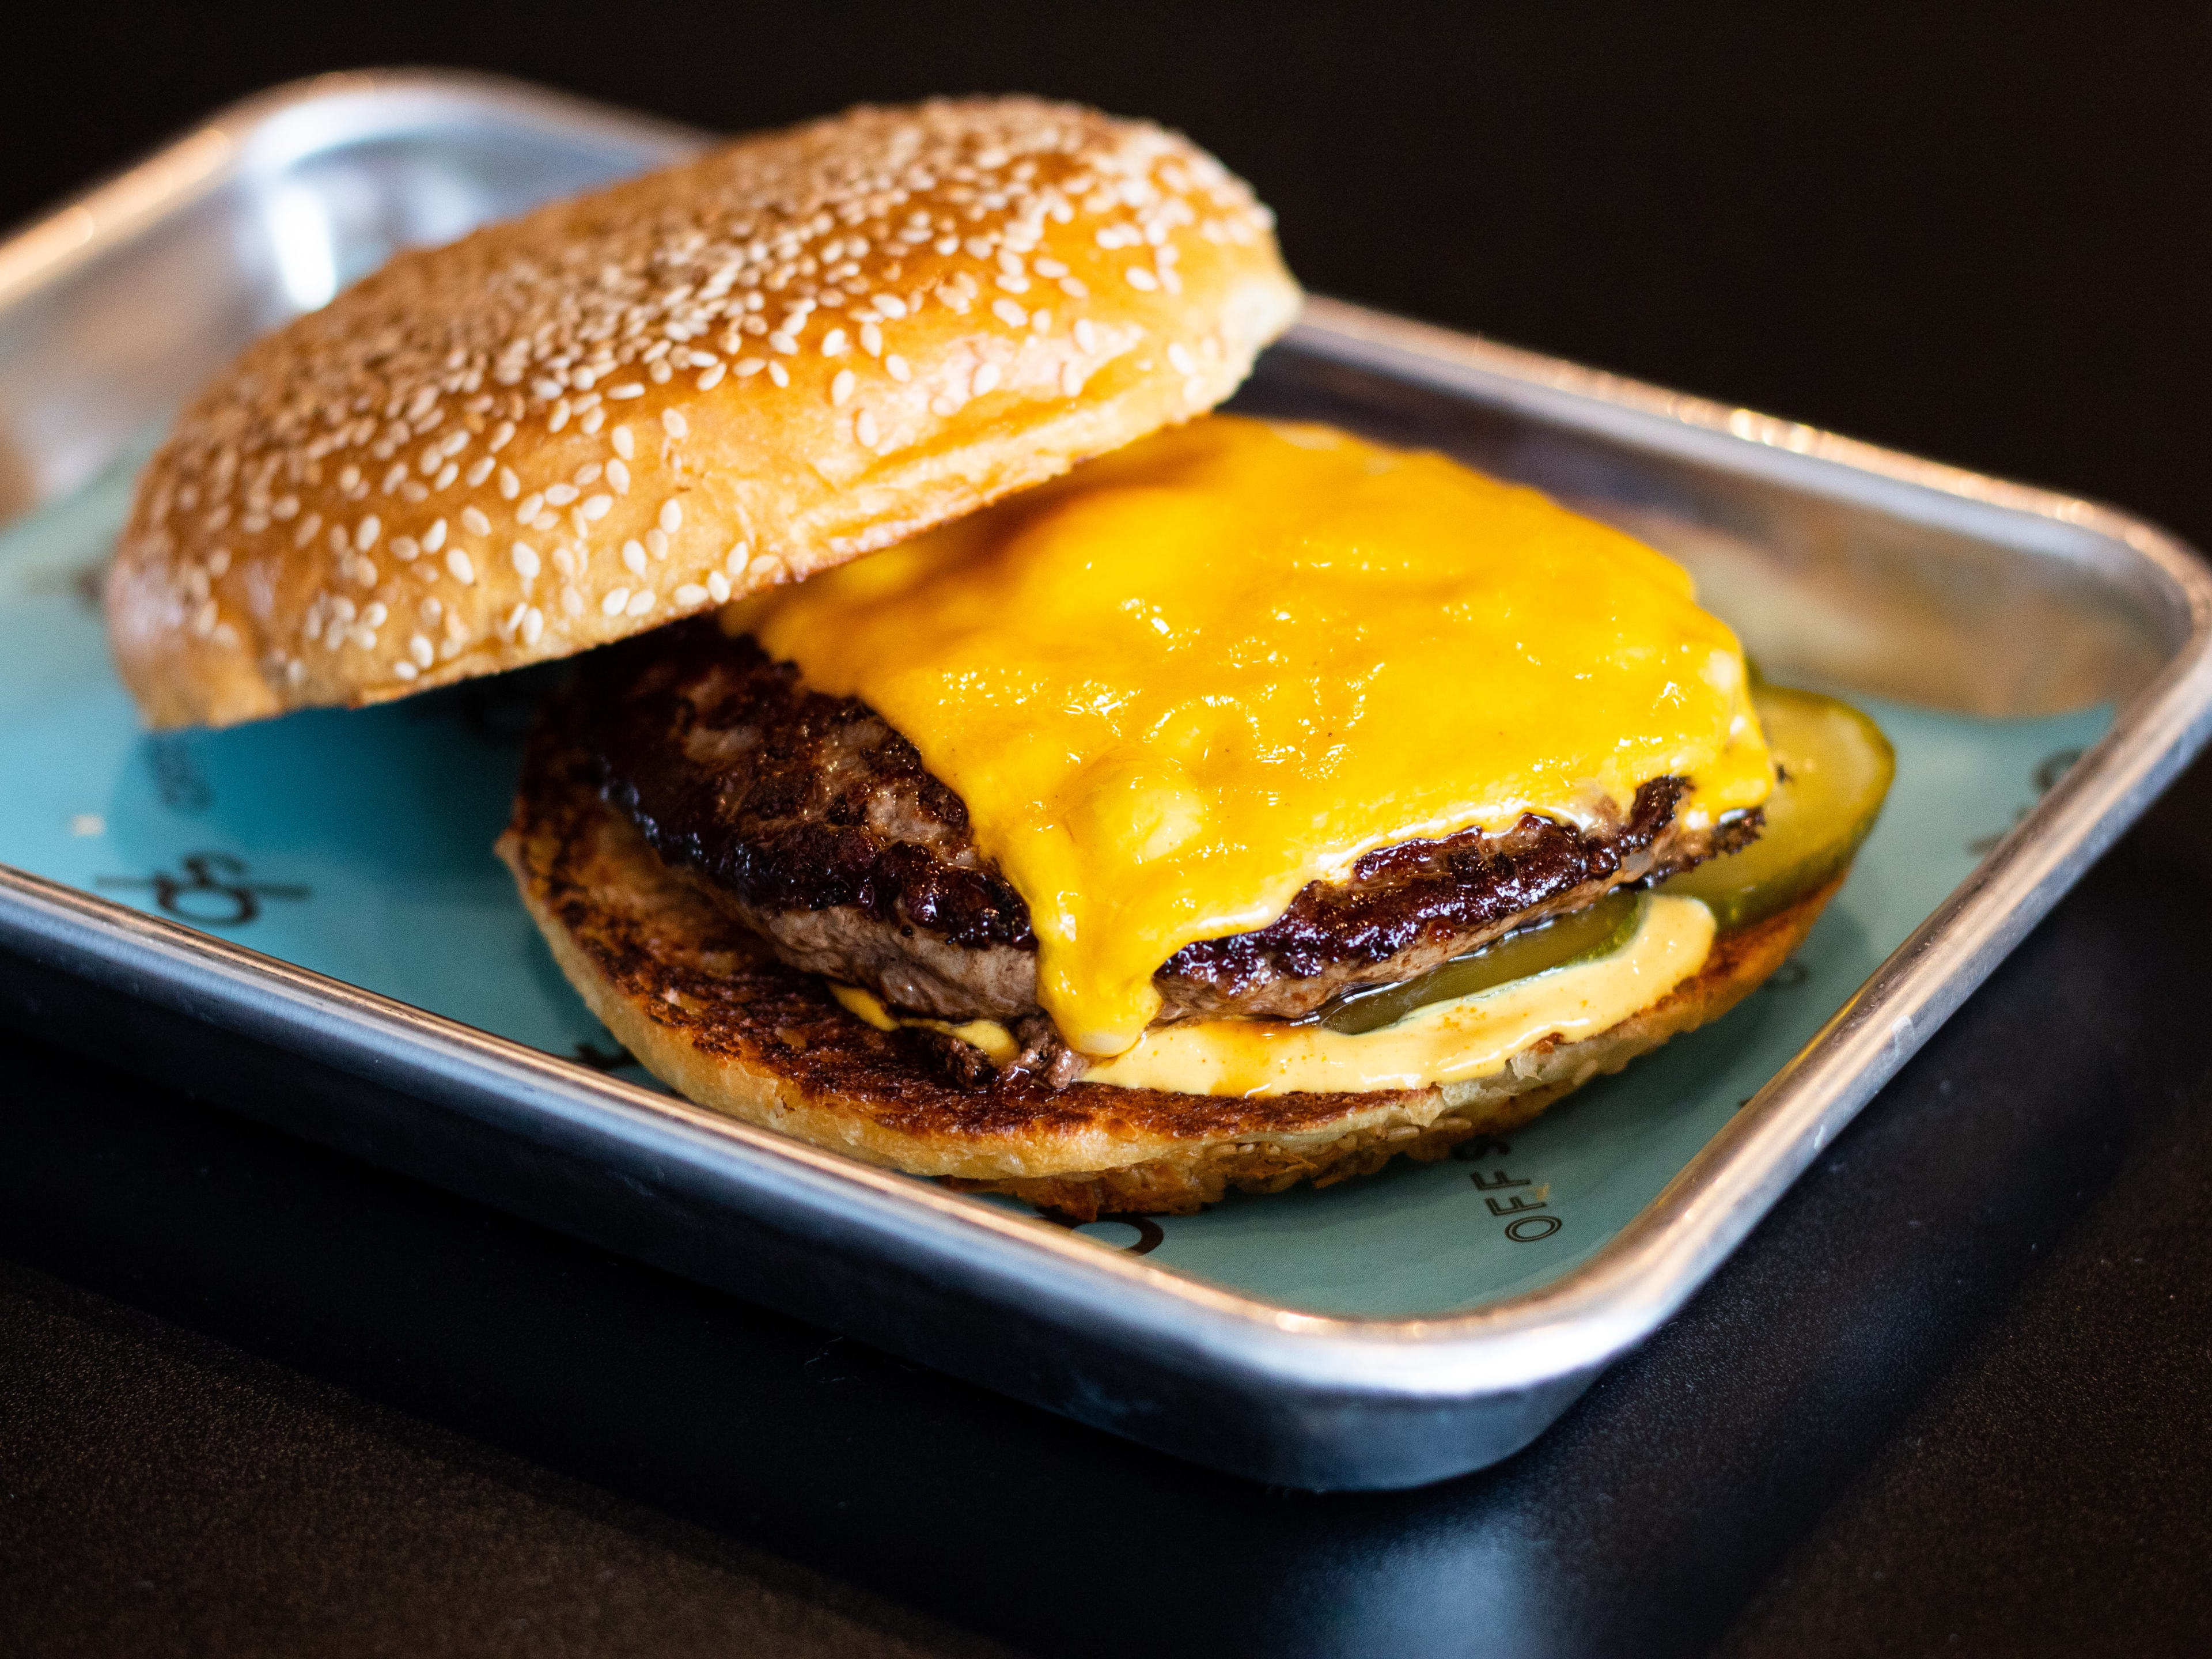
640, 403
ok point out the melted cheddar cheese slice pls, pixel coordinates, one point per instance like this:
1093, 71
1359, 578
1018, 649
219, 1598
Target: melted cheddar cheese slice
1191, 677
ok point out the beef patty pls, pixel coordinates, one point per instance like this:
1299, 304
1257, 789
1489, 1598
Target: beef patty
815, 824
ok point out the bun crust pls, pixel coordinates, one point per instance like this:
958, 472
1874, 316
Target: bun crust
640, 403
703, 1006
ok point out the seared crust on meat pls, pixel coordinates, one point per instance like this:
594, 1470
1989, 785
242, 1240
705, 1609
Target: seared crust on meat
808, 818
1410, 907
702, 1002
817, 825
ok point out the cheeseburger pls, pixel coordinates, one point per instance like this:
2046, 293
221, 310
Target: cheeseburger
989, 762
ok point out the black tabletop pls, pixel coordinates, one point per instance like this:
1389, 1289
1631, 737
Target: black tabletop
1954, 1395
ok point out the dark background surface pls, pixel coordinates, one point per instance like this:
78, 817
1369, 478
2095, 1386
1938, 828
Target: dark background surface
1955, 1395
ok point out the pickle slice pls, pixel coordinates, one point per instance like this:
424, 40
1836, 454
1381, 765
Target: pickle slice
1596, 930
1833, 768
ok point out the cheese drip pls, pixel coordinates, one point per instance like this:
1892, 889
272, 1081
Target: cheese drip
1191, 677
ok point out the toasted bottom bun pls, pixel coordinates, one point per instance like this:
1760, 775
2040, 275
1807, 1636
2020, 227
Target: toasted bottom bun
703, 1006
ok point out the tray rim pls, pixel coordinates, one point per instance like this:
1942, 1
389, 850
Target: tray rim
1569, 1326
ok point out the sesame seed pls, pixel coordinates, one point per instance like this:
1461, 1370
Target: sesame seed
656, 542
718, 587
474, 522
525, 559
434, 538
841, 387
833, 344
872, 339
890, 305
1009, 314
777, 372
672, 515
572, 602
987, 378
1070, 380
457, 562
502, 434
615, 601
597, 508
1086, 335
628, 389
422, 650
1075, 288
895, 366
625, 445
546, 520
509, 485
673, 423
559, 494
533, 625
479, 470
1179, 355
591, 419
618, 476
375, 615
710, 377
690, 596
863, 429
405, 670
1141, 279
640, 602
782, 342
750, 367
734, 560
633, 555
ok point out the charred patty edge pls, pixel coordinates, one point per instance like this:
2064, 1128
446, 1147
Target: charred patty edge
815, 823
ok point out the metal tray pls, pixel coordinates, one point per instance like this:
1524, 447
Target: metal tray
1382, 1333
